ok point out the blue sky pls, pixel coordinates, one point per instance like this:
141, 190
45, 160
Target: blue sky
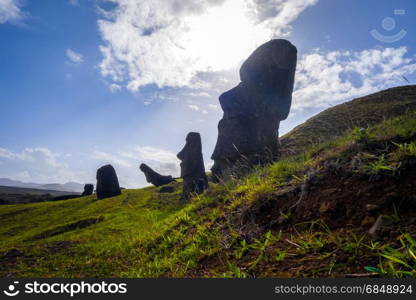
89, 82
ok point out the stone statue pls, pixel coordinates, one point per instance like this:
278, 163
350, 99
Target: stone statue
153, 177
192, 166
249, 130
107, 182
88, 190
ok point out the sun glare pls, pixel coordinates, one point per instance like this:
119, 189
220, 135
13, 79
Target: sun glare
223, 36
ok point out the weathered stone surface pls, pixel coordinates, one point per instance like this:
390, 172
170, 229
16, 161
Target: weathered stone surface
192, 166
248, 131
107, 182
153, 177
88, 190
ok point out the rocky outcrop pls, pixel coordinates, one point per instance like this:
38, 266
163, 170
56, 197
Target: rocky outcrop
88, 190
248, 131
107, 182
192, 166
153, 177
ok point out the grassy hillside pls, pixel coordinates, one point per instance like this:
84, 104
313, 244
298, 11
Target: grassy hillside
360, 112
307, 215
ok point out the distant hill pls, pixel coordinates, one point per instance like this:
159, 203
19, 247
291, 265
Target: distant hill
18, 195
69, 187
66, 187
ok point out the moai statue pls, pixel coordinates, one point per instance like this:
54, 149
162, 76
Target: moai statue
88, 190
249, 130
192, 166
154, 177
107, 182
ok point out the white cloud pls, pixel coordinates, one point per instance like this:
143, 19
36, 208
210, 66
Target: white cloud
332, 77
74, 57
213, 106
108, 158
37, 164
199, 94
74, 2
114, 87
149, 153
10, 11
32, 154
4, 153
169, 42
163, 161
39, 154
193, 107
197, 108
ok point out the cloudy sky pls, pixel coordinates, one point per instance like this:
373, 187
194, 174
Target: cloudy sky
89, 82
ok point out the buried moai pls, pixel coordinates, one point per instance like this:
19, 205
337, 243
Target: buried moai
192, 166
153, 177
88, 190
248, 132
107, 182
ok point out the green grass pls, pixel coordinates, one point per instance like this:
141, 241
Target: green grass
148, 234
358, 113
102, 249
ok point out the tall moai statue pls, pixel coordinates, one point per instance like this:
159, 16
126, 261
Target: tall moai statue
192, 166
249, 130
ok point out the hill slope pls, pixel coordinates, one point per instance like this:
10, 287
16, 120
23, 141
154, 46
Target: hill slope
307, 215
360, 112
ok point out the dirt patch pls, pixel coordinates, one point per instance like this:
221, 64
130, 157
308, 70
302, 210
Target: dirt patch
10, 258
70, 227
339, 192
60, 246
342, 201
